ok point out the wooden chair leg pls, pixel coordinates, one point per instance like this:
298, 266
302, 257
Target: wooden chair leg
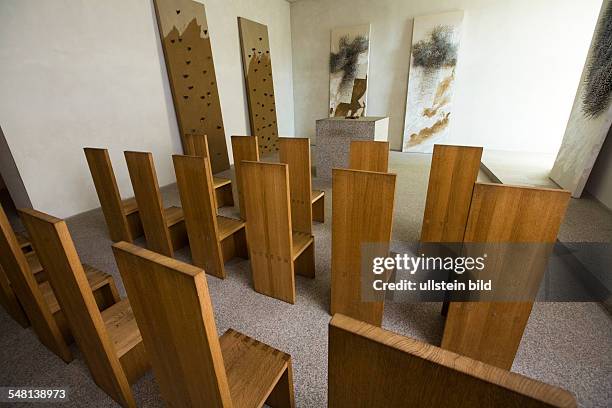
135, 225
318, 210
282, 395
224, 195
178, 235
304, 265
240, 242
107, 295
228, 248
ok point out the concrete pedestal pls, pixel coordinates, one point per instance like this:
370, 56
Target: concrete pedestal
334, 137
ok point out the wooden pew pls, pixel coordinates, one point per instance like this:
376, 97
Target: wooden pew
491, 331
38, 300
362, 208
110, 341
276, 251
243, 148
374, 368
122, 218
164, 228
213, 239
369, 155
192, 365
197, 145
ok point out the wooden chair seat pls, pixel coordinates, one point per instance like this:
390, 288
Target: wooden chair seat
174, 215
96, 278
130, 206
219, 182
121, 327
301, 241
316, 195
253, 368
24, 242
228, 226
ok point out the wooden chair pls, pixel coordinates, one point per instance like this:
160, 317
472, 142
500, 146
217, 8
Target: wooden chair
110, 341
38, 301
213, 239
362, 214
192, 365
164, 228
197, 145
122, 218
491, 331
276, 250
243, 148
374, 368
369, 155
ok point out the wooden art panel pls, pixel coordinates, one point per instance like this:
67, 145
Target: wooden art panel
257, 66
375, 368
491, 331
191, 71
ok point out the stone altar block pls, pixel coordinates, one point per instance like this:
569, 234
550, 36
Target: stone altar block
334, 137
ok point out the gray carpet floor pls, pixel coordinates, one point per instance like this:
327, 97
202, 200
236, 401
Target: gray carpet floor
566, 344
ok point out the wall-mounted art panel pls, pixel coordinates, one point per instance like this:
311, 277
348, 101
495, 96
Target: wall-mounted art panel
348, 71
591, 115
189, 61
435, 43
257, 66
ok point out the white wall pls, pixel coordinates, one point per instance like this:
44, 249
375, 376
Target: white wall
91, 73
519, 65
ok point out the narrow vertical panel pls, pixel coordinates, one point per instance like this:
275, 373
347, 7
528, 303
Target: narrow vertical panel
244, 148
257, 67
295, 152
454, 170
191, 71
268, 228
362, 213
375, 368
491, 331
369, 155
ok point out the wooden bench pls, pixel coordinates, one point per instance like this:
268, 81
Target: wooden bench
122, 217
491, 331
192, 365
36, 300
110, 341
164, 228
276, 251
243, 148
197, 145
369, 155
213, 239
362, 209
374, 368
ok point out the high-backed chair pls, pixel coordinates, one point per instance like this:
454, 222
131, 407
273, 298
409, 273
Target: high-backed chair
38, 300
243, 148
369, 155
110, 341
276, 251
122, 218
197, 145
164, 228
362, 214
213, 239
491, 331
374, 368
192, 365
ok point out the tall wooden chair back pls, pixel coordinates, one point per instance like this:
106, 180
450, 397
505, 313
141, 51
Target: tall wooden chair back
295, 152
15, 266
268, 227
362, 208
243, 148
195, 185
146, 189
372, 367
104, 180
491, 331
58, 254
369, 155
197, 145
178, 327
